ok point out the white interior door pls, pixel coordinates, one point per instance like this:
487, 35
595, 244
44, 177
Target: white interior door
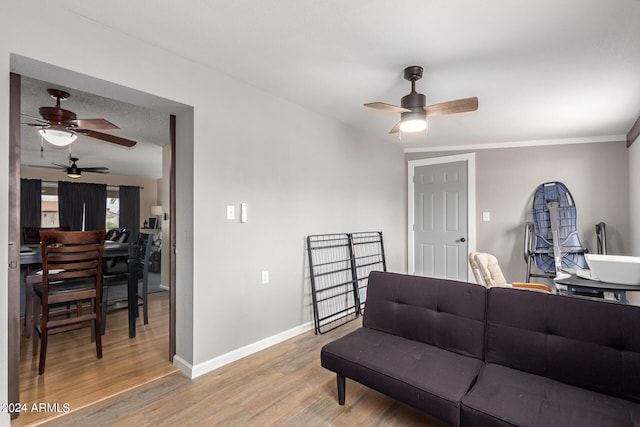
439, 230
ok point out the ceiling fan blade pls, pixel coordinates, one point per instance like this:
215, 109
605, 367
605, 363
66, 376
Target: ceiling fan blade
383, 106
98, 169
396, 128
452, 107
95, 170
36, 119
59, 165
106, 137
93, 124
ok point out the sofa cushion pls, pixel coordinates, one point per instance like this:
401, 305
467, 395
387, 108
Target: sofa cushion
503, 396
423, 376
443, 313
590, 344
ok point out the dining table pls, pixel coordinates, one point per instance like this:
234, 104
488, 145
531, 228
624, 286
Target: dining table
31, 255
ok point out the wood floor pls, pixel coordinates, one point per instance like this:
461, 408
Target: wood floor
75, 377
282, 385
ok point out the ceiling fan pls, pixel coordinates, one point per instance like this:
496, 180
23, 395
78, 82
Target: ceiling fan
61, 127
73, 171
414, 111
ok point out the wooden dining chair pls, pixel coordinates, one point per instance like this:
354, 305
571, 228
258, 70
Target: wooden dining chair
71, 275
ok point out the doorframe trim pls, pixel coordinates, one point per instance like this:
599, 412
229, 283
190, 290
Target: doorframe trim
470, 158
13, 237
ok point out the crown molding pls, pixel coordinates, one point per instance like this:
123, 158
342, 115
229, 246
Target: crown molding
520, 144
633, 132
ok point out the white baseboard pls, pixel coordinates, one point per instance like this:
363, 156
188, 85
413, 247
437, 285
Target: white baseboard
183, 365
202, 368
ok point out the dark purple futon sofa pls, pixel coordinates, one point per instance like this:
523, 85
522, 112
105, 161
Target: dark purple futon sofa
499, 357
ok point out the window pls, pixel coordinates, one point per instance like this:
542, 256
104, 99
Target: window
50, 217
49, 207
113, 212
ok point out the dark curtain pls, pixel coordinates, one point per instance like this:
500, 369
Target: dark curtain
70, 205
30, 203
130, 210
95, 198
74, 198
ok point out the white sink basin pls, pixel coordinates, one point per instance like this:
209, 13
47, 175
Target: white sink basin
615, 268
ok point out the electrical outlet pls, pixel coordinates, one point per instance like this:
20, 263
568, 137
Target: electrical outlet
265, 277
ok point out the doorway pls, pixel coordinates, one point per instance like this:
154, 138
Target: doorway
63, 77
441, 216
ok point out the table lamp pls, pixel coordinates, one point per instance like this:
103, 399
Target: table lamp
157, 212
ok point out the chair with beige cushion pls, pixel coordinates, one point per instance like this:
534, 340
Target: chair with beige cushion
488, 273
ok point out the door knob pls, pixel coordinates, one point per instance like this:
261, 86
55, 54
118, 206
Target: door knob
462, 239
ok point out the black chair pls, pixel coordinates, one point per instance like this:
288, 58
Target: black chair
120, 236
124, 236
31, 235
71, 275
113, 235
119, 276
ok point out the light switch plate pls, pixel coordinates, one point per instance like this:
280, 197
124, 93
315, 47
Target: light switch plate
486, 216
231, 212
243, 212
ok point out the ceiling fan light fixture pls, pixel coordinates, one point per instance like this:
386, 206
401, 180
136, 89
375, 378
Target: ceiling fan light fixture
58, 137
74, 171
413, 107
413, 122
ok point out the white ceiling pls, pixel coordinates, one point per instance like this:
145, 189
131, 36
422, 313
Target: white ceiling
543, 70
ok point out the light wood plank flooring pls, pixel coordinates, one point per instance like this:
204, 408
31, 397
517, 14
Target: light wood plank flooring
282, 385
74, 375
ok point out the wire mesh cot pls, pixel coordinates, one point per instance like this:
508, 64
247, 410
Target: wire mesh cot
339, 267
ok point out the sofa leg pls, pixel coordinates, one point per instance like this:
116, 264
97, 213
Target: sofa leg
341, 388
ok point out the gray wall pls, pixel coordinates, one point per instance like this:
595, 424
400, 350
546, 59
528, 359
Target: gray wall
596, 174
319, 177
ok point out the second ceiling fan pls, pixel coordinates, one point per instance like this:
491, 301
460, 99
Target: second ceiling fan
73, 171
413, 109
61, 127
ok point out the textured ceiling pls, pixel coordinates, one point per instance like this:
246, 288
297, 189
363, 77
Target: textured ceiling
150, 129
543, 70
